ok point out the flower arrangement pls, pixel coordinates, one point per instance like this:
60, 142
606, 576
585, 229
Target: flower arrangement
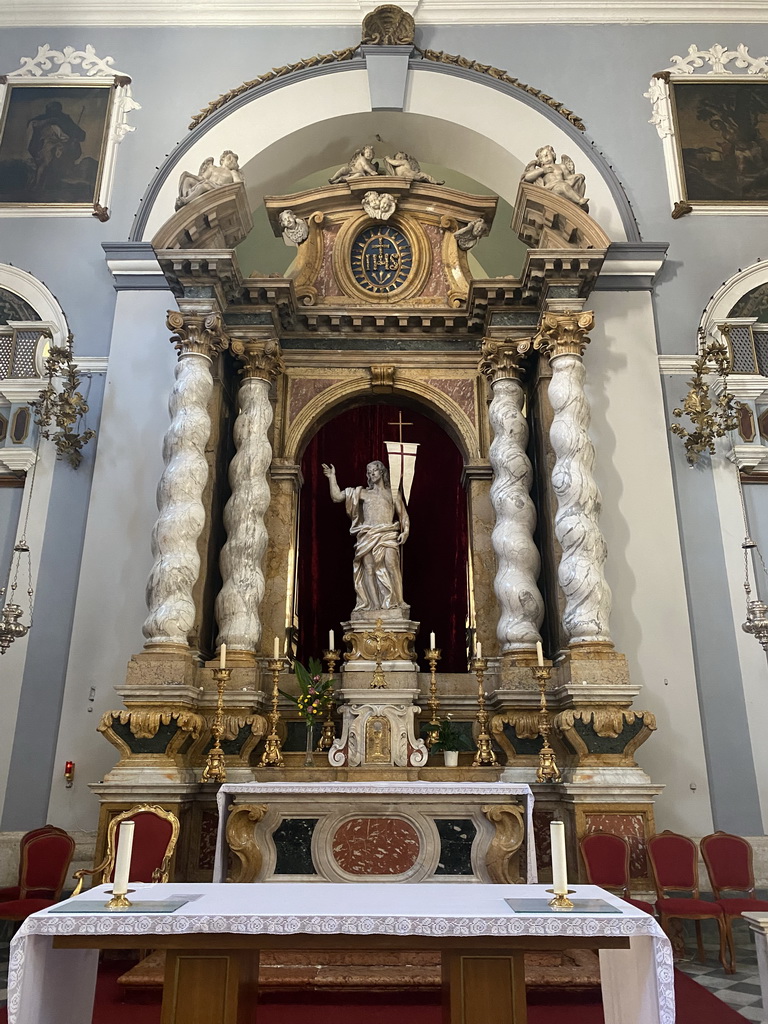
315, 692
449, 737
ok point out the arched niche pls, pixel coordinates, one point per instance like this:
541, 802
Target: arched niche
51, 320
452, 117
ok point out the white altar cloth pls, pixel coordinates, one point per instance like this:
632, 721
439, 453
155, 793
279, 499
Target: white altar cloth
495, 792
56, 986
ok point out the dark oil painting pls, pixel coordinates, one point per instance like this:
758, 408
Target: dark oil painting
52, 144
722, 132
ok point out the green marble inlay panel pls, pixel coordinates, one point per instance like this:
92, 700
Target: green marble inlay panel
365, 342
156, 744
243, 319
607, 744
520, 745
514, 318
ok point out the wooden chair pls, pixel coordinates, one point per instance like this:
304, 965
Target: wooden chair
44, 858
606, 862
154, 840
675, 867
728, 860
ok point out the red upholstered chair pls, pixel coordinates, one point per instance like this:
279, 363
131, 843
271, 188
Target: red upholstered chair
675, 866
606, 861
154, 840
728, 860
44, 858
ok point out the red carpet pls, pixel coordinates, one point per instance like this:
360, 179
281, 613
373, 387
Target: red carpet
695, 1005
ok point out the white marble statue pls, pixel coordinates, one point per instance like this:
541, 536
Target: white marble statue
401, 165
361, 165
468, 236
210, 176
379, 205
559, 178
295, 229
380, 526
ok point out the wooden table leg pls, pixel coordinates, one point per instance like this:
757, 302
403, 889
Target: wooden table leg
480, 988
210, 986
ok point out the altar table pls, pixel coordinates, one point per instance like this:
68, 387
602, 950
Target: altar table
212, 945
378, 831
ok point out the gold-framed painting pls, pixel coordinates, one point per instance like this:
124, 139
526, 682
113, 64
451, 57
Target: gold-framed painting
62, 116
714, 128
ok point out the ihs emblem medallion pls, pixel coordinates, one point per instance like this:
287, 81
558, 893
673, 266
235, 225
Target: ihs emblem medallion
381, 259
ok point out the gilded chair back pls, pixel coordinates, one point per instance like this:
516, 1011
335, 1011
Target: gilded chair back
155, 836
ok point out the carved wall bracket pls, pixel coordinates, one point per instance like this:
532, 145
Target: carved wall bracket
501, 860
605, 735
242, 842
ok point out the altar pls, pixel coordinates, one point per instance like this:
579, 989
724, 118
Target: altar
376, 831
214, 938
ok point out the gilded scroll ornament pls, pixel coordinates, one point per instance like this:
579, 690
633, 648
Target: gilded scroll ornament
564, 333
500, 860
242, 841
388, 25
199, 334
262, 359
710, 419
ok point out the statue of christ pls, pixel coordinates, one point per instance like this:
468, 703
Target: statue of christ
380, 526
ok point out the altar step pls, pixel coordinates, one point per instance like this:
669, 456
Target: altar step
392, 971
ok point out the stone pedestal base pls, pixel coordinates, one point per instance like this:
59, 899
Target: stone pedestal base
378, 728
396, 649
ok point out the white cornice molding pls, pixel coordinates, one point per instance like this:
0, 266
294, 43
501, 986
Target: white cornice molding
676, 364
16, 460
351, 12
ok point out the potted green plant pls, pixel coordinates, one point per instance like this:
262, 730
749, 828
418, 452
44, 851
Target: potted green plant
450, 739
314, 700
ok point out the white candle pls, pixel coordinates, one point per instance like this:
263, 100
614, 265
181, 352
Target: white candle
123, 860
479, 649
432, 641
539, 654
223, 656
276, 649
331, 640
559, 863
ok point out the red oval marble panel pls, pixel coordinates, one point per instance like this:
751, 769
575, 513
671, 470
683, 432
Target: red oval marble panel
376, 846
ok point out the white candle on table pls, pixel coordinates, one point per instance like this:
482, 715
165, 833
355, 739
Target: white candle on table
479, 650
223, 656
539, 654
123, 860
432, 641
331, 640
559, 863
276, 649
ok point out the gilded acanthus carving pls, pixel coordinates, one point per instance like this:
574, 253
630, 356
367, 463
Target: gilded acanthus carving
262, 359
242, 841
606, 722
231, 726
510, 831
144, 724
525, 723
388, 25
564, 333
198, 334
394, 646
500, 359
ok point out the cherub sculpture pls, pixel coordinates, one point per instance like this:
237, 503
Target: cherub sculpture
558, 178
295, 229
211, 176
401, 165
379, 205
361, 165
468, 236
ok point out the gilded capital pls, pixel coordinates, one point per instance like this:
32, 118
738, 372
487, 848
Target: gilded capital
262, 359
196, 333
564, 334
501, 359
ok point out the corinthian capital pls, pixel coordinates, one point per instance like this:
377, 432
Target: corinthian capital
564, 334
196, 333
501, 359
262, 359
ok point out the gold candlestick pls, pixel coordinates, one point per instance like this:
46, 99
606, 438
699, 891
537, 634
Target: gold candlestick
328, 734
273, 747
433, 656
547, 770
485, 754
215, 769
118, 902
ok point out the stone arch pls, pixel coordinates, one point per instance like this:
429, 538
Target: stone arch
482, 126
339, 396
35, 294
727, 295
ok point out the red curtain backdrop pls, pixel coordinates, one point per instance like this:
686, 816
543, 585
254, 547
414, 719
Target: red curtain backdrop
435, 554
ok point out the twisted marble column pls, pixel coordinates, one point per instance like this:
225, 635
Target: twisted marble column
179, 494
587, 595
521, 608
239, 600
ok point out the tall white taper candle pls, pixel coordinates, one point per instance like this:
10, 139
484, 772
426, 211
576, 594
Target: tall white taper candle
123, 860
223, 656
331, 640
432, 641
479, 650
276, 649
559, 863
539, 654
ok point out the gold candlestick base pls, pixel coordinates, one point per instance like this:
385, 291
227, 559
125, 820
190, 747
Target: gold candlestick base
560, 901
485, 754
118, 902
215, 769
273, 746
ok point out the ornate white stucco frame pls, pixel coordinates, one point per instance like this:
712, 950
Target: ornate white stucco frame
660, 95
65, 67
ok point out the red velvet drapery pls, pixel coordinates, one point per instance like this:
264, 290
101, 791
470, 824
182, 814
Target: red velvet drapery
435, 555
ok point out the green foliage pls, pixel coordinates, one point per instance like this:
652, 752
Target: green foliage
315, 692
449, 737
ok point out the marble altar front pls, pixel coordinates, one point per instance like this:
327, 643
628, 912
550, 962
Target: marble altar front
375, 831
